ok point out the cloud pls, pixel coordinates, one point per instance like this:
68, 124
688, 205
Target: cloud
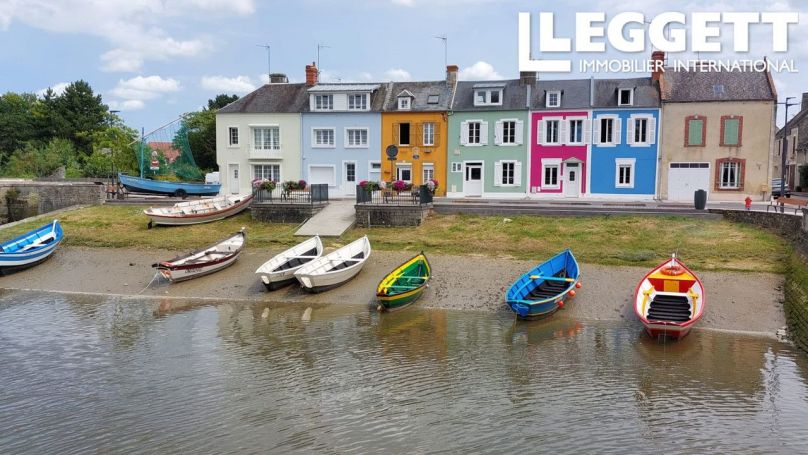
126, 105
58, 88
480, 71
238, 84
132, 93
404, 2
398, 74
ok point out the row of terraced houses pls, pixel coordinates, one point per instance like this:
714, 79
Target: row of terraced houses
657, 137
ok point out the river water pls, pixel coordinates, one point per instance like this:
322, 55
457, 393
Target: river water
110, 375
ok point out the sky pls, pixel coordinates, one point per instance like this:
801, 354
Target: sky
155, 59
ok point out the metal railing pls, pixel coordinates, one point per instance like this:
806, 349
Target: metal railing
416, 196
312, 194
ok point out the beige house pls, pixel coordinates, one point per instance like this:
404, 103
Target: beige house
796, 148
717, 134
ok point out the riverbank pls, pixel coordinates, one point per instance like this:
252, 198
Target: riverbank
737, 301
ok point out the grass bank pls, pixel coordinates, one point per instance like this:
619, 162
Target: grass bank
607, 240
796, 300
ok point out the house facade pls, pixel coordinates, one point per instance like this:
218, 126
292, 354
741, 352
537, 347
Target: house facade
488, 139
625, 144
717, 134
796, 149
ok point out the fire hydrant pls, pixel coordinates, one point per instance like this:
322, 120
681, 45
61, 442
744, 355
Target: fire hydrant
748, 202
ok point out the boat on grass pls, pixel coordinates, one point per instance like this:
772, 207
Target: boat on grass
199, 211
544, 289
669, 300
405, 284
280, 270
335, 268
203, 262
178, 189
31, 248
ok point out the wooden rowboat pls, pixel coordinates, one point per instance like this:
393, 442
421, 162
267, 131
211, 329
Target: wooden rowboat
669, 300
334, 269
199, 211
544, 289
405, 284
280, 270
31, 248
203, 262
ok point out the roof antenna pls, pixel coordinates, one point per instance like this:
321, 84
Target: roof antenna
320, 46
269, 70
445, 48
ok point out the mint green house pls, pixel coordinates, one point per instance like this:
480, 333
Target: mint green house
489, 138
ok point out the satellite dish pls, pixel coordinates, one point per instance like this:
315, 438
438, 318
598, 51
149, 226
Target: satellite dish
392, 152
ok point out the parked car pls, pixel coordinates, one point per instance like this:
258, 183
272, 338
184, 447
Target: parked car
776, 188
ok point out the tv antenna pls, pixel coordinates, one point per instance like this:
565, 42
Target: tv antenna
320, 46
269, 67
445, 40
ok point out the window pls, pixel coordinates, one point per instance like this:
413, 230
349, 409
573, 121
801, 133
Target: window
322, 137
358, 102
323, 102
233, 135
457, 167
404, 173
624, 172
433, 99
403, 134
267, 172
576, 132
356, 137
474, 133
606, 131
554, 99
429, 172
375, 166
508, 173
641, 131
731, 127
404, 103
730, 175
551, 131
509, 132
488, 97
267, 138
429, 134
625, 97
550, 176
695, 132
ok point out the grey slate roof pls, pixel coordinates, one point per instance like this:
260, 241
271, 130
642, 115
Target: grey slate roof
574, 94
293, 98
698, 86
645, 92
421, 92
344, 87
514, 96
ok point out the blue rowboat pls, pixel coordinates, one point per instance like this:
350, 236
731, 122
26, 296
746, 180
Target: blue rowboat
544, 289
179, 189
30, 248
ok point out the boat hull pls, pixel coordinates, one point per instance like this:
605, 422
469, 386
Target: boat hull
318, 283
184, 273
542, 291
401, 301
141, 185
22, 252
279, 271
667, 331
331, 271
280, 284
189, 219
405, 284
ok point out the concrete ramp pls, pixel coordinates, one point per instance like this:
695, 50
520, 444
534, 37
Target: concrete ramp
332, 221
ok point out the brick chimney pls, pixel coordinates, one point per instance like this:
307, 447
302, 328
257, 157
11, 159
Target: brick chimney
311, 74
528, 78
657, 56
451, 74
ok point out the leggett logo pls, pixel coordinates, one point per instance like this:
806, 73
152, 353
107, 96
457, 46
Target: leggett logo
669, 32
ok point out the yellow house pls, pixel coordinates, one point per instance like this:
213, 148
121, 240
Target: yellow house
415, 120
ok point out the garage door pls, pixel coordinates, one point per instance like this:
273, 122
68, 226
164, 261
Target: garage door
322, 174
685, 178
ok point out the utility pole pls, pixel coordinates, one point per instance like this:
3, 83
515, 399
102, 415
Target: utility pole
320, 46
269, 67
783, 152
445, 40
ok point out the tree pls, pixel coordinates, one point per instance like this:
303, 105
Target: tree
38, 160
202, 131
221, 101
16, 125
113, 150
84, 113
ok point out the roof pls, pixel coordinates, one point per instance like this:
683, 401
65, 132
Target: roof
645, 92
708, 86
574, 93
270, 98
420, 92
514, 96
344, 88
169, 151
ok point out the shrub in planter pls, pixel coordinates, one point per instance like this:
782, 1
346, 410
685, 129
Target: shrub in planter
369, 185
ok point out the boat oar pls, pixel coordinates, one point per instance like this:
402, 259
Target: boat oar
551, 278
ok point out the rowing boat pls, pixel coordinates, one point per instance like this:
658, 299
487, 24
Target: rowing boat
31, 248
405, 284
280, 270
203, 262
544, 289
335, 268
199, 211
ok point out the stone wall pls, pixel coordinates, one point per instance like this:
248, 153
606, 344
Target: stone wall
368, 215
36, 198
285, 213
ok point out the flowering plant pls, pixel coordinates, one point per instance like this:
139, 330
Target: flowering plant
432, 185
268, 185
400, 185
290, 185
369, 185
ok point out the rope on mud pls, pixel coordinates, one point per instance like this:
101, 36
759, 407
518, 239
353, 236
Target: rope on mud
156, 276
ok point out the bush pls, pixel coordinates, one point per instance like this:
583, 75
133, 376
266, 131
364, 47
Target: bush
291, 185
41, 160
369, 185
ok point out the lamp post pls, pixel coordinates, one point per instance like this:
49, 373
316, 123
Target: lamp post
783, 152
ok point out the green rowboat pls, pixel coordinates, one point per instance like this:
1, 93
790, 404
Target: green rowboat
405, 284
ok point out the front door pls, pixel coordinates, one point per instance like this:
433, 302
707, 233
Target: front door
349, 177
473, 182
572, 180
233, 174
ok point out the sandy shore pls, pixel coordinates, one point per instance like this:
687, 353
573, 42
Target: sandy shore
746, 302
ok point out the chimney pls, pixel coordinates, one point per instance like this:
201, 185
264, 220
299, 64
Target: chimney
451, 74
528, 78
311, 74
658, 57
804, 106
278, 78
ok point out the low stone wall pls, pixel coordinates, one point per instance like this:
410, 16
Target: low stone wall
285, 213
35, 198
369, 215
791, 227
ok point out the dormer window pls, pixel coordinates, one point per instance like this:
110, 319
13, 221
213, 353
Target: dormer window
433, 99
358, 102
488, 97
625, 97
554, 99
324, 102
404, 103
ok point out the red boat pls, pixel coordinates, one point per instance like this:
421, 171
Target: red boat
669, 300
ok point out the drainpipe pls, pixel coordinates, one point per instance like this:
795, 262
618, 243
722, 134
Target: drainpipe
658, 185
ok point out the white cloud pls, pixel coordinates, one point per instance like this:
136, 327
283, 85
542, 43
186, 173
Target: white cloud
238, 84
480, 71
365, 77
404, 2
58, 88
398, 74
126, 105
132, 93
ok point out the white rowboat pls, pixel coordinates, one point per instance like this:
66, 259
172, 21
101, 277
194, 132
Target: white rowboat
280, 270
199, 211
335, 268
203, 262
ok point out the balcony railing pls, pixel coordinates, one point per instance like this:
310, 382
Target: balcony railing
417, 196
312, 194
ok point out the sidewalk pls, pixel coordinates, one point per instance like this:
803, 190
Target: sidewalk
337, 217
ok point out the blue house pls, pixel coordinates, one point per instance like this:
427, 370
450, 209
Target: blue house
341, 135
625, 138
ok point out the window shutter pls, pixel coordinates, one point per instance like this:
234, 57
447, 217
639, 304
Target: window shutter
483, 133
563, 131
396, 132
418, 137
652, 131
542, 127
587, 134
464, 133
596, 132
498, 133
517, 174
498, 173
630, 131
436, 134
618, 131
520, 131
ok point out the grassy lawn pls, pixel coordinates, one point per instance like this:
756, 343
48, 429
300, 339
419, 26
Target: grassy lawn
612, 240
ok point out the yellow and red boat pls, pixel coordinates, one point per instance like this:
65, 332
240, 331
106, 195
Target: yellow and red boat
669, 300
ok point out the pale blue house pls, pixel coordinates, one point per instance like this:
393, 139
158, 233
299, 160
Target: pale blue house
341, 135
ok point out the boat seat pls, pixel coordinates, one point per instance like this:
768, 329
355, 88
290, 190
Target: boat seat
346, 264
669, 308
548, 289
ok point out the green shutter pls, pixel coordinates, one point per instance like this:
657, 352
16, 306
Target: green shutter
731, 127
695, 132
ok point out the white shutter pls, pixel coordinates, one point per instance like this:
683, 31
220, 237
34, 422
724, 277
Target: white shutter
542, 133
618, 131
498, 173
563, 131
630, 131
587, 131
483, 133
520, 131
596, 132
651, 131
517, 174
498, 133
464, 133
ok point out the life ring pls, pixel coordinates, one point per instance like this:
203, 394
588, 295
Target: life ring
673, 270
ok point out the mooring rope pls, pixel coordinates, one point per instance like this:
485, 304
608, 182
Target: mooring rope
156, 276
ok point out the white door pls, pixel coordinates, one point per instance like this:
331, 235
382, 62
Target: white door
349, 177
685, 178
322, 174
572, 180
473, 181
233, 174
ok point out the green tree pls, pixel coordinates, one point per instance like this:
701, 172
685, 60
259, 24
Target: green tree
113, 150
16, 125
202, 131
221, 101
84, 113
36, 159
